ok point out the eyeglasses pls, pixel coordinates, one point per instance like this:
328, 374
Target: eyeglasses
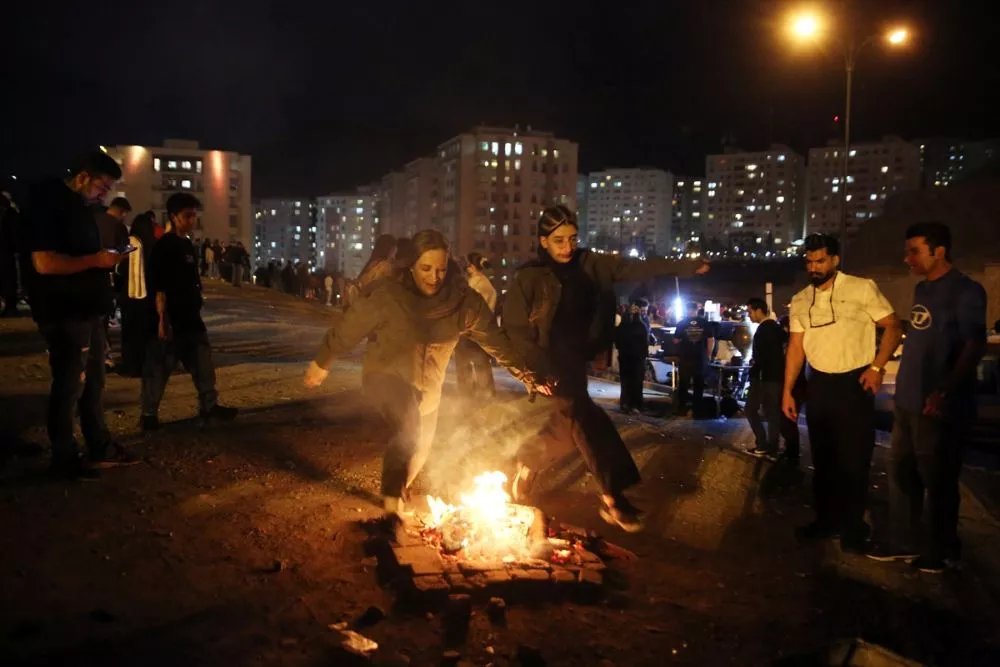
833, 313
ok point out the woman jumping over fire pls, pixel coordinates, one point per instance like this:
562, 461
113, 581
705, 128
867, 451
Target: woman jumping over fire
560, 314
413, 325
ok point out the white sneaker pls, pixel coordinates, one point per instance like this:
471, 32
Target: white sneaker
521, 486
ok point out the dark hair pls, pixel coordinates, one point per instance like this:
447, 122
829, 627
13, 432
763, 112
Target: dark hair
405, 251
427, 240
179, 201
477, 260
122, 203
826, 242
97, 163
936, 234
692, 305
384, 245
555, 217
758, 304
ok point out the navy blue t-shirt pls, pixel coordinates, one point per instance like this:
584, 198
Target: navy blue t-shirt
692, 334
946, 314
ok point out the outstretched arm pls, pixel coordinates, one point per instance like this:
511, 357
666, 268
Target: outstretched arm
350, 327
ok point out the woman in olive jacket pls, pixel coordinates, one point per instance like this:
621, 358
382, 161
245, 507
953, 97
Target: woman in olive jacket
412, 325
559, 313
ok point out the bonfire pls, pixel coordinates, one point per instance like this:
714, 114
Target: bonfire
485, 525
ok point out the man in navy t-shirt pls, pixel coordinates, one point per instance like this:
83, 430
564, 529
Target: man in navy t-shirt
935, 397
695, 338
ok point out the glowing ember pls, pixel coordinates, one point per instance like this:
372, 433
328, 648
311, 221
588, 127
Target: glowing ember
485, 524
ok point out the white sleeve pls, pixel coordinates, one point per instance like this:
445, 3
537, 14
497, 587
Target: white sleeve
876, 305
798, 316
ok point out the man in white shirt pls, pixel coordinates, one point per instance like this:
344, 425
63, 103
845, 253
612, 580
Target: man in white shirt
833, 328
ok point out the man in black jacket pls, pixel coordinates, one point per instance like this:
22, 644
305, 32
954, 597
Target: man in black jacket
66, 275
632, 341
767, 374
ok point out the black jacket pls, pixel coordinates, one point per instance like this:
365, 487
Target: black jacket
768, 363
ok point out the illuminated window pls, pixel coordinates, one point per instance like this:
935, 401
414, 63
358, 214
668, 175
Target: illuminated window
186, 184
517, 163
186, 164
751, 167
274, 212
518, 148
852, 153
873, 196
496, 148
780, 199
156, 164
781, 158
359, 210
555, 153
171, 164
507, 148
711, 193
680, 184
545, 152
885, 169
485, 146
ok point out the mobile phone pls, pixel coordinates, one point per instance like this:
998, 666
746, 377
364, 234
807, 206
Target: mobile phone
126, 249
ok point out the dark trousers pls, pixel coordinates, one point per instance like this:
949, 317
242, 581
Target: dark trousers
765, 397
411, 434
8, 282
76, 359
475, 372
190, 348
926, 463
631, 374
690, 371
138, 326
841, 421
575, 421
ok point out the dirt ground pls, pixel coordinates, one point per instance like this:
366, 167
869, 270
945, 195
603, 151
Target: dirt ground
241, 544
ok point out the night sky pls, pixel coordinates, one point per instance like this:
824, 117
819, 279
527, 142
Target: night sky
327, 96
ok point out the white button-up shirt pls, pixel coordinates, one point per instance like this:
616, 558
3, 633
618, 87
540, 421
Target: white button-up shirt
839, 323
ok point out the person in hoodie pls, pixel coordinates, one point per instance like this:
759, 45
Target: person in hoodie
70, 293
413, 324
475, 372
560, 313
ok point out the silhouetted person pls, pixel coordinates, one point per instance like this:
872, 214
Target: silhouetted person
632, 341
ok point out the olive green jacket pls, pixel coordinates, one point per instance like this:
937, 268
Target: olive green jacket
531, 302
412, 337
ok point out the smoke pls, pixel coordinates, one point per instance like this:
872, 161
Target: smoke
473, 437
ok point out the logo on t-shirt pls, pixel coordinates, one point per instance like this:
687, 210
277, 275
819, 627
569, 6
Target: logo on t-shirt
920, 317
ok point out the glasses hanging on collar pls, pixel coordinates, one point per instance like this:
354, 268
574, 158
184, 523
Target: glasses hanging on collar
833, 314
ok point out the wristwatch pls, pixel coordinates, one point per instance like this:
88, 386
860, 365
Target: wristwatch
877, 369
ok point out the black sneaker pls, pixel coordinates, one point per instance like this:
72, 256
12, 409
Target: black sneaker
115, 457
74, 471
890, 554
816, 531
623, 514
149, 423
219, 413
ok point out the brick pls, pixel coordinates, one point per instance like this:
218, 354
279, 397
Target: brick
459, 583
497, 577
564, 576
529, 575
423, 560
591, 577
589, 557
481, 566
433, 583
407, 538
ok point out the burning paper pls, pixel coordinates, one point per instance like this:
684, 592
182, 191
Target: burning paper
485, 524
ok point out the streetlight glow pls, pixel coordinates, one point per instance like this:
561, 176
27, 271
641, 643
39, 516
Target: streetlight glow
805, 26
897, 36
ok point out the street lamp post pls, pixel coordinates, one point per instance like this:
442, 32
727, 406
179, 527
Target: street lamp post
808, 27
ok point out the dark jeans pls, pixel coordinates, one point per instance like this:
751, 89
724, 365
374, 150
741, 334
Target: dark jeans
926, 464
765, 396
411, 435
841, 420
632, 373
8, 282
690, 371
575, 421
194, 351
475, 372
139, 321
76, 359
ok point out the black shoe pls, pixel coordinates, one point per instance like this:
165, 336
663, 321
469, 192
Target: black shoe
219, 413
149, 423
623, 514
116, 456
816, 531
856, 547
891, 554
74, 471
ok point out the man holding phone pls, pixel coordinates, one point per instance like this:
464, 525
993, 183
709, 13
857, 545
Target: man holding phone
70, 294
833, 328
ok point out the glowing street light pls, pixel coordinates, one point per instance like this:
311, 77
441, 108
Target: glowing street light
897, 36
806, 26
